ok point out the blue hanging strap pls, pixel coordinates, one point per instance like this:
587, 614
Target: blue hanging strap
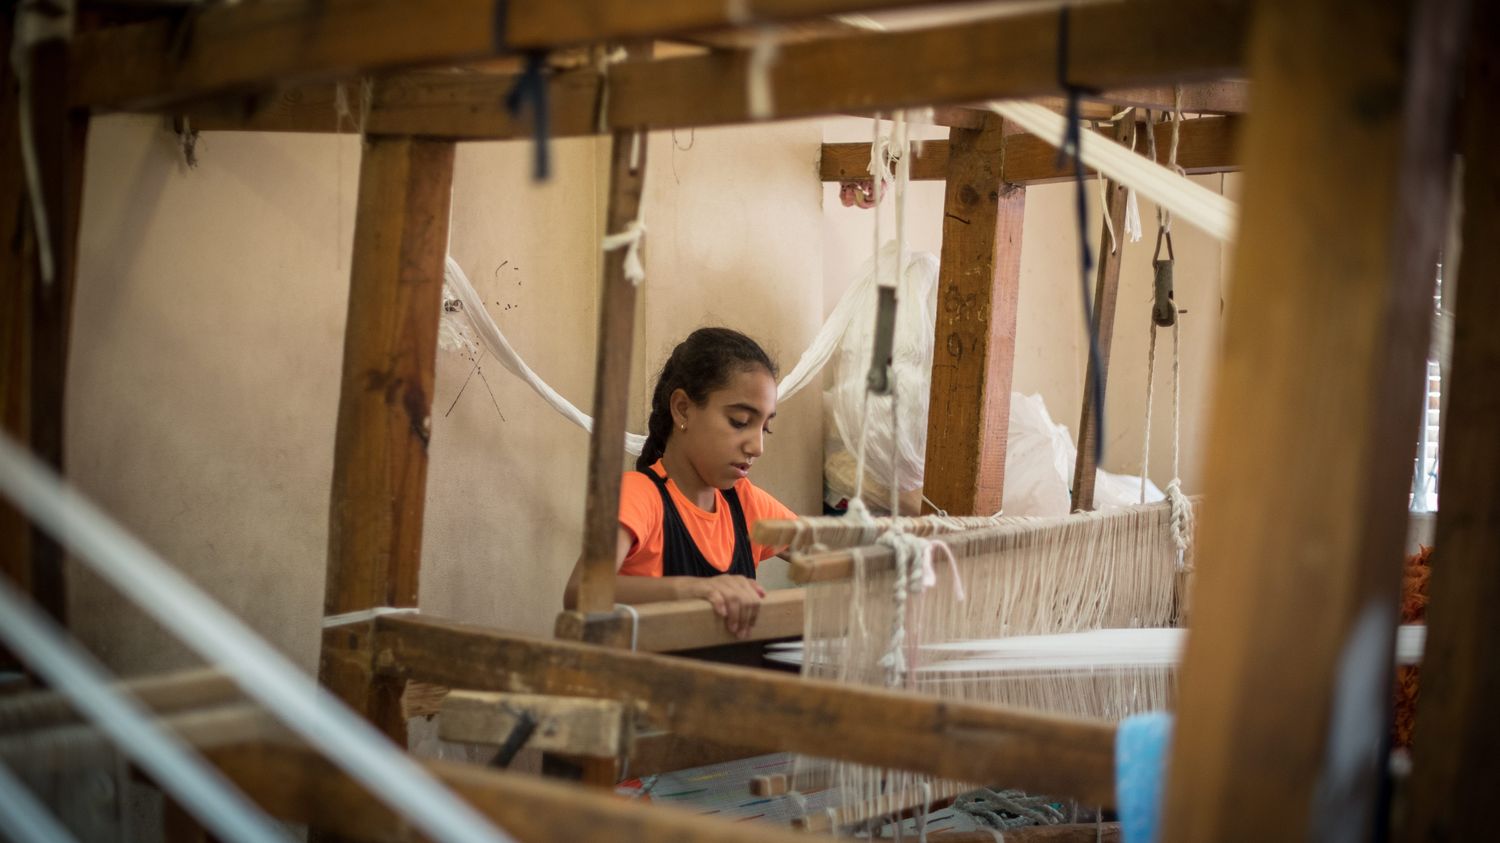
531, 88
1073, 145
1141, 746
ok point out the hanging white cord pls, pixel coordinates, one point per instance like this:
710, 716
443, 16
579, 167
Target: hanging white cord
25, 820
200, 788
262, 673
630, 240
1208, 211
1146, 439
1182, 510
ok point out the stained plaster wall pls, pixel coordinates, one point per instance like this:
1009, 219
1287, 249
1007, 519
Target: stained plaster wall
1051, 354
204, 375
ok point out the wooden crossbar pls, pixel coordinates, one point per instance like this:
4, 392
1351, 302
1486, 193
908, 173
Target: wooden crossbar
773, 712
1113, 45
1206, 145
226, 48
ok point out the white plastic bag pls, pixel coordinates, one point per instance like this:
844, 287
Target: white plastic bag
911, 362
1039, 461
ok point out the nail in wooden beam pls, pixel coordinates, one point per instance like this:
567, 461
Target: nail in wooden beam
1287, 672
974, 352
617, 300
385, 402
1456, 746
1106, 294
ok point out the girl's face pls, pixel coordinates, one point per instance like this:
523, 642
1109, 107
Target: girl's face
724, 437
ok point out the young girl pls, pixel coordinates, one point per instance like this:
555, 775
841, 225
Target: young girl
687, 509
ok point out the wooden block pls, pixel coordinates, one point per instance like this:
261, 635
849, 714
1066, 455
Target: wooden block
978, 288
775, 711
573, 725
1287, 673
768, 785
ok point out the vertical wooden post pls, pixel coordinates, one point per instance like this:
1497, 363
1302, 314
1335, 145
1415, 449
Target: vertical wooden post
36, 327
1456, 747
596, 590
1106, 293
1286, 683
385, 401
974, 350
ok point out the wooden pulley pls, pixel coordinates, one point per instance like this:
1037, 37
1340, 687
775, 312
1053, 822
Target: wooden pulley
1164, 310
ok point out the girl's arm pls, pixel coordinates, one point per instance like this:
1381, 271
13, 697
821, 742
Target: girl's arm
734, 598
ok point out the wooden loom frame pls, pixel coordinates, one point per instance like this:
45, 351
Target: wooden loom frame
400, 206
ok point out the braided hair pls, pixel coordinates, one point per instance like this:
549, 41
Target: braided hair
700, 364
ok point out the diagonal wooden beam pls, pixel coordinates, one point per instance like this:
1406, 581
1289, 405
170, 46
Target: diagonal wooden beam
1206, 145
1150, 42
209, 50
774, 711
1286, 679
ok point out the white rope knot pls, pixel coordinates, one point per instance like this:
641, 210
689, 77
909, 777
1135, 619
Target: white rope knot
630, 239
1182, 520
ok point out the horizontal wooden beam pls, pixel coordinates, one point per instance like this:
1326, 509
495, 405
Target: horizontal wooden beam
163, 694
297, 785
677, 625
1114, 45
1206, 145
774, 711
84, 744
222, 48
1223, 96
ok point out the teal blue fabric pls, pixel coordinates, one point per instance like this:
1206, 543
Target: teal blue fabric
1141, 747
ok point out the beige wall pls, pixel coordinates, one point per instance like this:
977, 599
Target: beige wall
1051, 346
203, 381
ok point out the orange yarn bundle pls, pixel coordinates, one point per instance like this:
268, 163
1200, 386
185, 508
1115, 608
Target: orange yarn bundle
1413, 610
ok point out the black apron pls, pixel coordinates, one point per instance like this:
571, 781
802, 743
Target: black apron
680, 556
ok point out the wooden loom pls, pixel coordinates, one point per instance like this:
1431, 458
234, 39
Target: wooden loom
1345, 289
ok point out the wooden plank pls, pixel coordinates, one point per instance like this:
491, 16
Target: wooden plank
574, 725
163, 694
1221, 96
1205, 145
1106, 294
296, 785
1456, 747
1149, 42
677, 625
17, 280
232, 47
59, 140
617, 302
385, 403
1287, 672
777, 712
80, 745
978, 285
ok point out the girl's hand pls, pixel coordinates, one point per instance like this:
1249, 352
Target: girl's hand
736, 599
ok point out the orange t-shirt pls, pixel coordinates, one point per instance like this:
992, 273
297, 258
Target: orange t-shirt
713, 532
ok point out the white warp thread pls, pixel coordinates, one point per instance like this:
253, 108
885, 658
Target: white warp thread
361, 615
494, 341
1202, 208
